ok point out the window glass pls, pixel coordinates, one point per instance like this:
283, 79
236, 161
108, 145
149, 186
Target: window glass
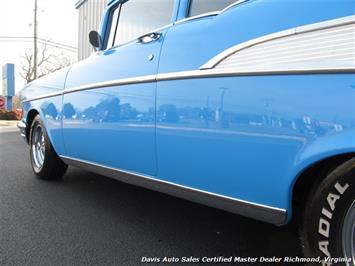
138, 17
198, 7
112, 32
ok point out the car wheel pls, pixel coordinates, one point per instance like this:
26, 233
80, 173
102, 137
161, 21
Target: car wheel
46, 164
328, 229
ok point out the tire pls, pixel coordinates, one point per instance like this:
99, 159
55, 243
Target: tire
45, 162
328, 228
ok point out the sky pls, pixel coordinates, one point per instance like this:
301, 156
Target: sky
57, 22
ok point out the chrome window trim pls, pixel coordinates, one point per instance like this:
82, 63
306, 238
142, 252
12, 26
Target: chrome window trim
273, 36
163, 27
208, 14
254, 210
233, 4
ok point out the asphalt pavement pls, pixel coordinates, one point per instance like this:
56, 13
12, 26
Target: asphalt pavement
88, 219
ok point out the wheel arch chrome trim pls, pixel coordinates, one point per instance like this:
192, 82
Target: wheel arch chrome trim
257, 211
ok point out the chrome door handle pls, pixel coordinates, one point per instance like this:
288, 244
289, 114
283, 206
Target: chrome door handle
150, 37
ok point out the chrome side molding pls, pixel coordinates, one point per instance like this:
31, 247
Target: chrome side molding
261, 212
196, 74
320, 48
110, 83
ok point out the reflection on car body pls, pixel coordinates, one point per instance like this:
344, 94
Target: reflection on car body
226, 103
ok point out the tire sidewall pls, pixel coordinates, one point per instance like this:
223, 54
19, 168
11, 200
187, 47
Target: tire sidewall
325, 214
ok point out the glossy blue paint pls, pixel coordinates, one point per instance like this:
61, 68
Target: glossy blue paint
246, 137
114, 126
49, 84
192, 43
49, 108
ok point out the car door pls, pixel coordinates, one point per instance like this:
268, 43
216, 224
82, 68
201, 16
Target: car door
108, 112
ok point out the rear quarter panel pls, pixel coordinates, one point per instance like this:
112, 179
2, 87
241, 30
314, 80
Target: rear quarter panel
250, 136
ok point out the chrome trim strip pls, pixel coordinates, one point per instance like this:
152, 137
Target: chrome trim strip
44, 96
195, 74
215, 73
233, 4
302, 29
162, 28
253, 210
209, 14
118, 82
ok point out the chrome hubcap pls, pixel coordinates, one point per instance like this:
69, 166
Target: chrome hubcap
348, 235
38, 147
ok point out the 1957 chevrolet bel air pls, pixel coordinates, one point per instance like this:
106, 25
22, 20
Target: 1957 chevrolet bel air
247, 106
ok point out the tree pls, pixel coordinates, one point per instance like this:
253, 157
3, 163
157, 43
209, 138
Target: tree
49, 60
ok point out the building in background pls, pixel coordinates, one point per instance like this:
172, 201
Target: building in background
90, 14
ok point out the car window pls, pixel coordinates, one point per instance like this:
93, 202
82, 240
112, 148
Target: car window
137, 17
198, 7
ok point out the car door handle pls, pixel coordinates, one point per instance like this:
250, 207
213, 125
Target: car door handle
150, 37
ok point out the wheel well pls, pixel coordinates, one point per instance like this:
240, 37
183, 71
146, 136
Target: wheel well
310, 177
30, 116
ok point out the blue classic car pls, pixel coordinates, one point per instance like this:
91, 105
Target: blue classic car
246, 106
